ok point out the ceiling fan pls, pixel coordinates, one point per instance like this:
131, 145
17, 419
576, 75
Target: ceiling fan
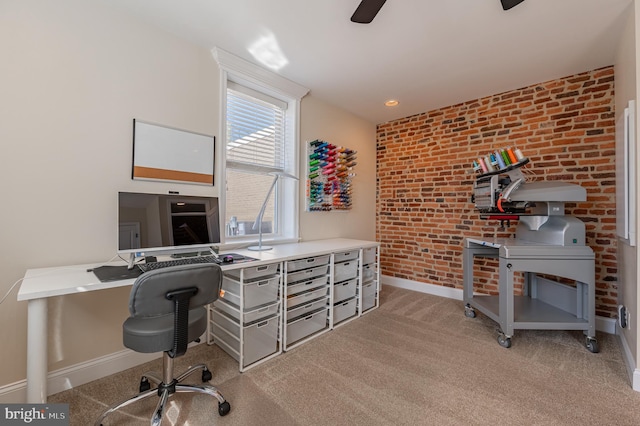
368, 9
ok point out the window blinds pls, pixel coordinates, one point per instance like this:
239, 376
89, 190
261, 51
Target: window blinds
255, 131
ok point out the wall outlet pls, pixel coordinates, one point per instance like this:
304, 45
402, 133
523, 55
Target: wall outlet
623, 317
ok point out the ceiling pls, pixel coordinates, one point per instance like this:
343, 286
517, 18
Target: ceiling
427, 54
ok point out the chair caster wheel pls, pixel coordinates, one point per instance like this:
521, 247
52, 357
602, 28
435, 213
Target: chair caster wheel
224, 408
206, 376
144, 384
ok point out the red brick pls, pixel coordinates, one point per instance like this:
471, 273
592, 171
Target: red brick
565, 127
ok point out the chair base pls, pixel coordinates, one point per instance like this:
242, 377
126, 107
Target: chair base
164, 391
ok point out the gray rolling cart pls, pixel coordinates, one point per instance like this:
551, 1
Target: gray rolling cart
545, 304
548, 243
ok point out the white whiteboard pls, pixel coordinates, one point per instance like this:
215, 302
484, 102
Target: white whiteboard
166, 153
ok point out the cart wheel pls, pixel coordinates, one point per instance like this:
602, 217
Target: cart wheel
224, 408
469, 312
504, 341
592, 345
206, 375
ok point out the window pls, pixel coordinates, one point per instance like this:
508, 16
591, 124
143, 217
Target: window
260, 122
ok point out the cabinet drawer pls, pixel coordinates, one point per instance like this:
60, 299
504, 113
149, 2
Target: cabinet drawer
226, 322
311, 262
307, 274
301, 286
306, 297
307, 308
344, 290
343, 256
345, 270
369, 255
255, 293
306, 326
368, 272
248, 316
254, 272
260, 340
369, 289
344, 310
368, 301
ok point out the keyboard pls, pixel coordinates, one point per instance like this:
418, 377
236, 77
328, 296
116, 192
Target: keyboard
145, 267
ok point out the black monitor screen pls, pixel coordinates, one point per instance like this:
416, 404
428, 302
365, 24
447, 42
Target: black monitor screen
166, 223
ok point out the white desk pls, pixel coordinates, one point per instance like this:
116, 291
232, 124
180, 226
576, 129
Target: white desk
40, 284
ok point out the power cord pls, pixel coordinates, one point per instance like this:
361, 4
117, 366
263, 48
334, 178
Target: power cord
9, 291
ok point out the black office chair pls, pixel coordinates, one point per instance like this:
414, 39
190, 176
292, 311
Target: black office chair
167, 308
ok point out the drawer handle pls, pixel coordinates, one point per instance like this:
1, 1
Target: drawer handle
346, 283
309, 282
310, 260
262, 268
261, 283
262, 324
345, 303
308, 306
309, 317
263, 309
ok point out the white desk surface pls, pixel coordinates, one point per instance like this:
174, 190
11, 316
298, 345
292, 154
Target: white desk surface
57, 281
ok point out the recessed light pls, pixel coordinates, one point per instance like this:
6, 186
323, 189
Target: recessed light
391, 103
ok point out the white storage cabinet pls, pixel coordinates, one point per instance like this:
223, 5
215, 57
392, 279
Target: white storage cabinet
305, 299
345, 286
369, 289
245, 321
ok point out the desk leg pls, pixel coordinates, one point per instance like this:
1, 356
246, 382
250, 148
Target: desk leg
37, 351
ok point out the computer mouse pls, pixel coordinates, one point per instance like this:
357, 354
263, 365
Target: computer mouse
227, 259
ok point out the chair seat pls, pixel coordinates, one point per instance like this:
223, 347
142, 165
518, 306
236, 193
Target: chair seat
156, 334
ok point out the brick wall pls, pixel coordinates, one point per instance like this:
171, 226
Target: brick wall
566, 128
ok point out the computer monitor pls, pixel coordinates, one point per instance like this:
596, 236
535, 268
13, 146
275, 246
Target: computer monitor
161, 224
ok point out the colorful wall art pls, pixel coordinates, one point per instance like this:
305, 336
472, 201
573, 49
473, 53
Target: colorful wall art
330, 171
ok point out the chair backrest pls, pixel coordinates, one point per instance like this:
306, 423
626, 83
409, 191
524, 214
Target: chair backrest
148, 296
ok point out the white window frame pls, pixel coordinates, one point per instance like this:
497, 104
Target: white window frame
247, 74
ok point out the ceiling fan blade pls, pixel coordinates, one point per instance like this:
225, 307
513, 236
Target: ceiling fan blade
508, 4
367, 10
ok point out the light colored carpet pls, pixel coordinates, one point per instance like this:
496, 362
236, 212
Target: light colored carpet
417, 360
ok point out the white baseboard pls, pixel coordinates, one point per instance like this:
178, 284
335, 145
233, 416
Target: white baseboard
605, 325
436, 290
632, 369
78, 374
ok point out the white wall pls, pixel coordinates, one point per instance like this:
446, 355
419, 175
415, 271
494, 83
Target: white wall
73, 76
626, 78
325, 122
